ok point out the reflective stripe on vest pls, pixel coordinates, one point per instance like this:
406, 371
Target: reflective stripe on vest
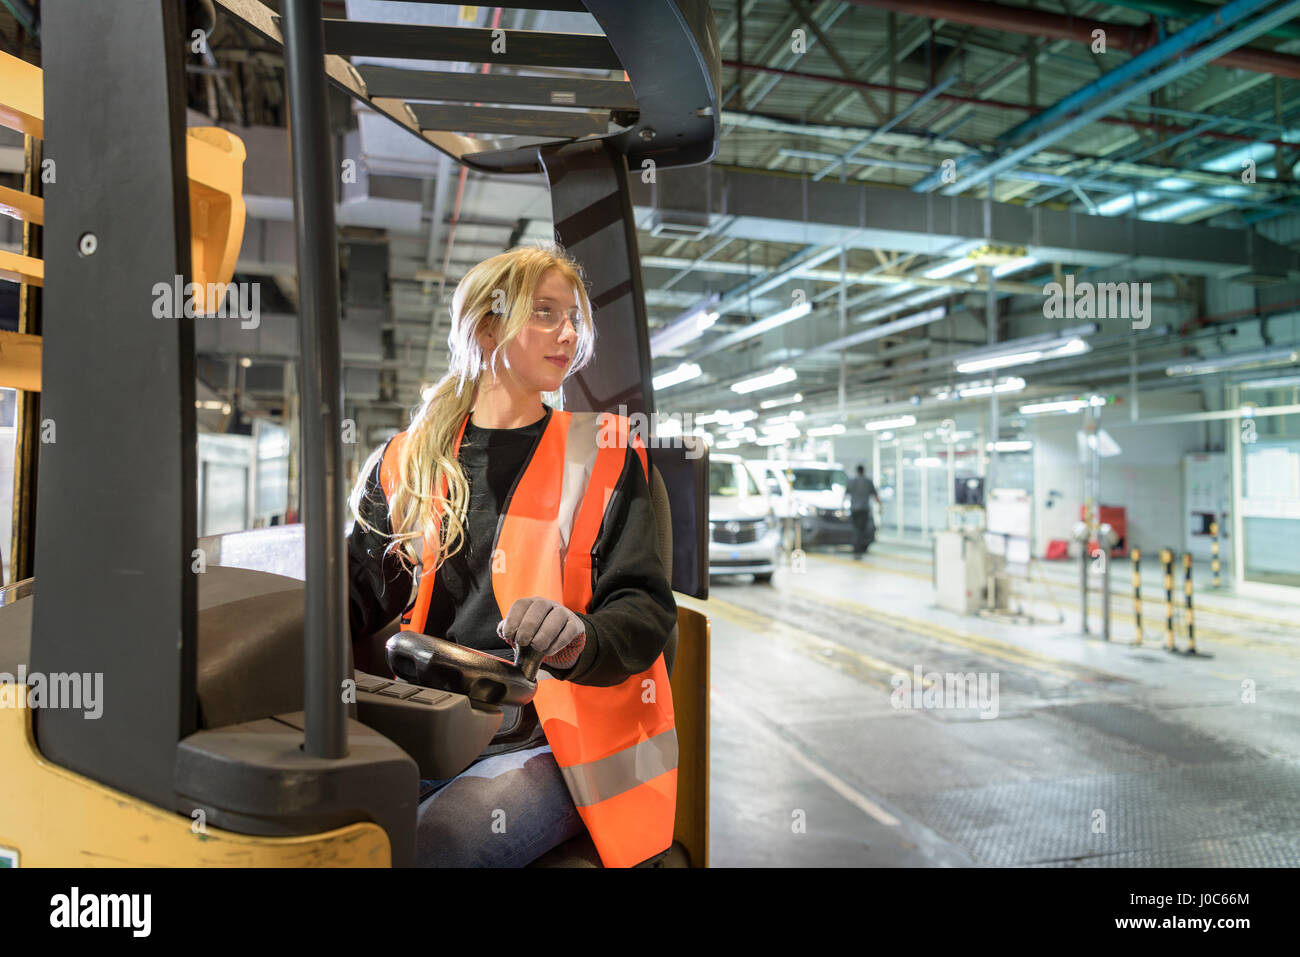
616, 746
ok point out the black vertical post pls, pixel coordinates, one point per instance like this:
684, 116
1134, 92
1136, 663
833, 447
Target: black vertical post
1136, 555
314, 177
1187, 595
1214, 552
592, 210
116, 509
1167, 560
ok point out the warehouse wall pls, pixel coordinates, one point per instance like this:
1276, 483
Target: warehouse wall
1146, 478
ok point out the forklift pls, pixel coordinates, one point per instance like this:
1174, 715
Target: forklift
236, 722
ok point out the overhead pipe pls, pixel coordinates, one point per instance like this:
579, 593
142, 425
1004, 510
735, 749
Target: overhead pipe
1065, 183
903, 114
1059, 26
976, 101
1170, 59
1194, 10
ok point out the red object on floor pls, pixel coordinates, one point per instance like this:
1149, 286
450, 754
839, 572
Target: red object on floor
1057, 549
1116, 517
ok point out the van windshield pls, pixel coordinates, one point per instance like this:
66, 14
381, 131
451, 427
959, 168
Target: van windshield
727, 478
817, 480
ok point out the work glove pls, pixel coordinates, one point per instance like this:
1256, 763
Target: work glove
547, 626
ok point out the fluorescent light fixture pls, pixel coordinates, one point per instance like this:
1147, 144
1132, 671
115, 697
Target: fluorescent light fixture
1011, 384
685, 328
1015, 265
1026, 351
898, 422
785, 429
1064, 405
1255, 359
792, 416
1280, 382
1009, 446
836, 429
998, 362
787, 315
771, 440
725, 417
683, 373
777, 376
949, 269
773, 403
728, 444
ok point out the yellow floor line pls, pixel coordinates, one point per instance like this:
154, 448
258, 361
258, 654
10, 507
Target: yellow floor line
974, 642
761, 624
1203, 633
1206, 608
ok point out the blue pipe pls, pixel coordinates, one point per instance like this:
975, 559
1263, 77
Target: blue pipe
915, 105
1175, 46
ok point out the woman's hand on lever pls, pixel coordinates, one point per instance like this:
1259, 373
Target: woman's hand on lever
546, 626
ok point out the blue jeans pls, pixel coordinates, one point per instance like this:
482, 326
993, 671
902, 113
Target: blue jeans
502, 811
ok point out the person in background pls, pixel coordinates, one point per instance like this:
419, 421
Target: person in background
861, 490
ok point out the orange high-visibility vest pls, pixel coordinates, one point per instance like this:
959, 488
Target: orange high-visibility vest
616, 746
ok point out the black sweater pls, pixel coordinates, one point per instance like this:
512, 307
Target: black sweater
632, 608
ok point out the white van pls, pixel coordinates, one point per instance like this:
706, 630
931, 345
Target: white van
817, 492
744, 532
771, 476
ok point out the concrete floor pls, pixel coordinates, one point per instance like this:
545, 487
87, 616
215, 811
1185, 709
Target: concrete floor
1101, 753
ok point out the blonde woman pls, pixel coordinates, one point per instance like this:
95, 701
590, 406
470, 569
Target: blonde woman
523, 546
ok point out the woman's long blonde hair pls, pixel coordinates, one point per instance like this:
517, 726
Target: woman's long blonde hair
496, 298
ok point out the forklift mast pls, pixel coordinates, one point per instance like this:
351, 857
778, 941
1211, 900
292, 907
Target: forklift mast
118, 382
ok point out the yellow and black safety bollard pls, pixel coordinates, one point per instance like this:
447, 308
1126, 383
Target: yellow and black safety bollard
1136, 555
1167, 559
1187, 593
1214, 552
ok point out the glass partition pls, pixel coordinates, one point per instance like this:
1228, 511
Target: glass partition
1269, 485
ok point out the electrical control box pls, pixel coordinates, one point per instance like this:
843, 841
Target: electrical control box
1205, 499
961, 570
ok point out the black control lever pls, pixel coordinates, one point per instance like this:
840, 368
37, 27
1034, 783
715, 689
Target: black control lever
435, 663
528, 659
